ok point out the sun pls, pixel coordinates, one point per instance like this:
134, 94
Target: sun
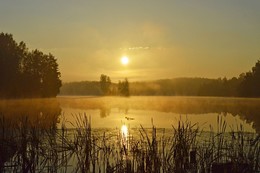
124, 60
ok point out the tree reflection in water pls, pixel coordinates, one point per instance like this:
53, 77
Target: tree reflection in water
24, 126
247, 109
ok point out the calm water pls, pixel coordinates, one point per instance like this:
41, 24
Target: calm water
30, 139
113, 112
165, 112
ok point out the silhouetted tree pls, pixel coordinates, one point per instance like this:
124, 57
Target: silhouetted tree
250, 85
247, 84
105, 84
11, 55
42, 75
169, 87
123, 88
24, 73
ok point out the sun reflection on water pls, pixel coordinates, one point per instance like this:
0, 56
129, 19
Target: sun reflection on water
124, 138
124, 131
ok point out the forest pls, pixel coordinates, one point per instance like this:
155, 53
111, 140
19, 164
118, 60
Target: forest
28, 73
24, 73
97, 88
246, 85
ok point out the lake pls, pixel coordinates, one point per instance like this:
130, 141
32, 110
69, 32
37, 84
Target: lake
123, 134
164, 111
111, 112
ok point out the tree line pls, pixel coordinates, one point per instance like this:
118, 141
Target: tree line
245, 85
103, 87
25, 73
122, 88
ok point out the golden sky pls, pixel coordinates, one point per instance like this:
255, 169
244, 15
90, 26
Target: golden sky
161, 38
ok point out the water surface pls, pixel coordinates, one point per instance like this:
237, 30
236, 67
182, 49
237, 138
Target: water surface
32, 134
113, 112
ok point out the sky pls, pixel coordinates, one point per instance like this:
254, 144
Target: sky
162, 38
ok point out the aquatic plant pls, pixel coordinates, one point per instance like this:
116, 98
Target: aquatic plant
30, 147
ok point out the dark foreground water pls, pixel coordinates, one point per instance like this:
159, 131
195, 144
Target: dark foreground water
136, 134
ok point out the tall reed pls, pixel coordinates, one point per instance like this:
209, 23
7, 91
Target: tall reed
30, 147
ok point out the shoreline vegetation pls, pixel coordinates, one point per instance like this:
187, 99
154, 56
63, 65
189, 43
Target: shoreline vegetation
246, 85
36, 147
32, 142
33, 74
26, 73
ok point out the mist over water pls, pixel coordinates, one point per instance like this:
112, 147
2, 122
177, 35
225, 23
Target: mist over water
113, 112
59, 127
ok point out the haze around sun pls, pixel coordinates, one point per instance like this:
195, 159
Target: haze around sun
163, 39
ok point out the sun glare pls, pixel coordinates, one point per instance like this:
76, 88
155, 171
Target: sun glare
124, 60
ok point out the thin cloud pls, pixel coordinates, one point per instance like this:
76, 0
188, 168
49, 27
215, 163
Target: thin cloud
136, 48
